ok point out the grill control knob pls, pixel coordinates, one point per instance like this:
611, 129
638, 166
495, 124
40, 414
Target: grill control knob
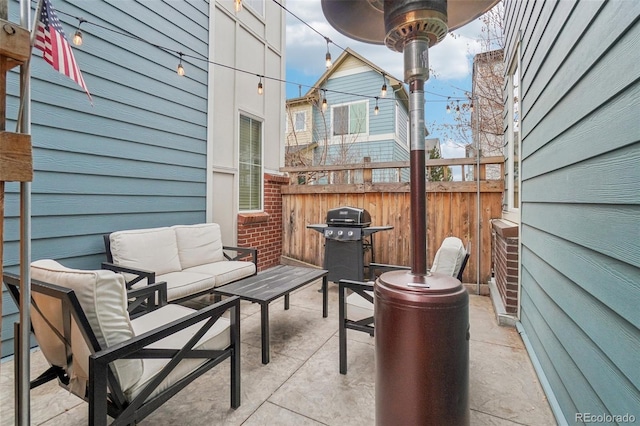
339, 233
350, 233
329, 232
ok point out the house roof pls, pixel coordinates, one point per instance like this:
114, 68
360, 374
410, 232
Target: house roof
312, 94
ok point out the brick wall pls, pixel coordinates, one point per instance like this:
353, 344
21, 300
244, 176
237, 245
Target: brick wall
264, 230
505, 263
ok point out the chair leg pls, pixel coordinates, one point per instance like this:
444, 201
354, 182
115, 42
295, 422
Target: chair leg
97, 393
235, 357
342, 330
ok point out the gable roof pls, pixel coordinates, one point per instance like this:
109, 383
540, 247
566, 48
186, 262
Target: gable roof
396, 84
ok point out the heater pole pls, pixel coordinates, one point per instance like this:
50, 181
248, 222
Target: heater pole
416, 64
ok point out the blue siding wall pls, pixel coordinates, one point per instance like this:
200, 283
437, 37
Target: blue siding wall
344, 89
137, 158
580, 238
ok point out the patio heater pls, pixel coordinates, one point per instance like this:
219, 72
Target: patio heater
422, 373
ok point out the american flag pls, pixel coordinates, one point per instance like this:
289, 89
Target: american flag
51, 40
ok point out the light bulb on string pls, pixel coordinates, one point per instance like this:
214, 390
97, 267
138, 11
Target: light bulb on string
324, 101
237, 5
180, 69
260, 90
448, 106
376, 109
383, 90
77, 37
471, 106
328, 55
458, 108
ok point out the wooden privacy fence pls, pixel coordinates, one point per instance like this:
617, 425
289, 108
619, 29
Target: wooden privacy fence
452, 209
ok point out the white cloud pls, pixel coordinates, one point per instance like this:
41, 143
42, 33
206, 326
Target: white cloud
306, 49
451, 149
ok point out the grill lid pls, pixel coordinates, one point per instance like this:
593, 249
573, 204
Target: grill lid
348, 216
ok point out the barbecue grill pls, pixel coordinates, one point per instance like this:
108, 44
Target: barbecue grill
348, 235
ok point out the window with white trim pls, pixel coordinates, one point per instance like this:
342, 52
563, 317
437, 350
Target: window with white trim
513, 142
250, 164
300, 121
350, 119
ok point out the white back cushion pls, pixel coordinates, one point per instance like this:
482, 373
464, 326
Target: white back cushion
199, 244
103, 299
449, 257
153, 249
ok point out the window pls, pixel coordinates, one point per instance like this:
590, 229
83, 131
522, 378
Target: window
513, 148
250, 164
300, 121
350, 119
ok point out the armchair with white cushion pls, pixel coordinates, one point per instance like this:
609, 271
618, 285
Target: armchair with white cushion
356, 299
124, 367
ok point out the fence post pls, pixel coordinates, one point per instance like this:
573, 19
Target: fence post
366, 172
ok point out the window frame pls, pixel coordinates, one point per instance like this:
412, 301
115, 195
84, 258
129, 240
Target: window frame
513, 146
363, 132
304, 121
252, 119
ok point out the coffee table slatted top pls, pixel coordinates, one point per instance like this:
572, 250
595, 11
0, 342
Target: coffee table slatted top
271, 284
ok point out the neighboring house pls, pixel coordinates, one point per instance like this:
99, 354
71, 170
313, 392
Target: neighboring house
573, 137
156, 149
299, 142
341, 120
487, 113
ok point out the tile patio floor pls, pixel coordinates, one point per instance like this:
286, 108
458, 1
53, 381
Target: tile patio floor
302, 386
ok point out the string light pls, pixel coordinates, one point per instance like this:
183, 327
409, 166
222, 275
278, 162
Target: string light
458, 108
448, 106
237, 4
328, 55
376, 109
383, 91
201, 57
471, 106
260, 86
77, 37
180, 69
324, 100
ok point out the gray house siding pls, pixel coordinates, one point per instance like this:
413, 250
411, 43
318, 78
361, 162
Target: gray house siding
137, 158
580, 208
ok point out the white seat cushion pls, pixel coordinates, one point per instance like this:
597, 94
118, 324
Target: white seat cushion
185, 283
102, 296
153, 249
358, 307
448, 259
216, 338
199, 244
226, 271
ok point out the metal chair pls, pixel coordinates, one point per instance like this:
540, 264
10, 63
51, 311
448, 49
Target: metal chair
356, 310
124, 367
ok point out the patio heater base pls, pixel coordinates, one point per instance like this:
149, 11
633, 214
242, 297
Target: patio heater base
422, 350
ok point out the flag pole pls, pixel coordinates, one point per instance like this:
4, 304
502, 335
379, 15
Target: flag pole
23, 402
25, 69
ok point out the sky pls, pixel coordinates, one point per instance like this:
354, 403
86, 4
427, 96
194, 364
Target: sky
450, 61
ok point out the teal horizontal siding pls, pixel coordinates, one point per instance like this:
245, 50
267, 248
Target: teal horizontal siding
137, 157
580, 253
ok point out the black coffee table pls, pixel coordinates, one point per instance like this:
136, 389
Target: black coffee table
270, 285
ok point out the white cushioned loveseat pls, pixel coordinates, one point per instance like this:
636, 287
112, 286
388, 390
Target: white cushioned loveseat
191, 259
